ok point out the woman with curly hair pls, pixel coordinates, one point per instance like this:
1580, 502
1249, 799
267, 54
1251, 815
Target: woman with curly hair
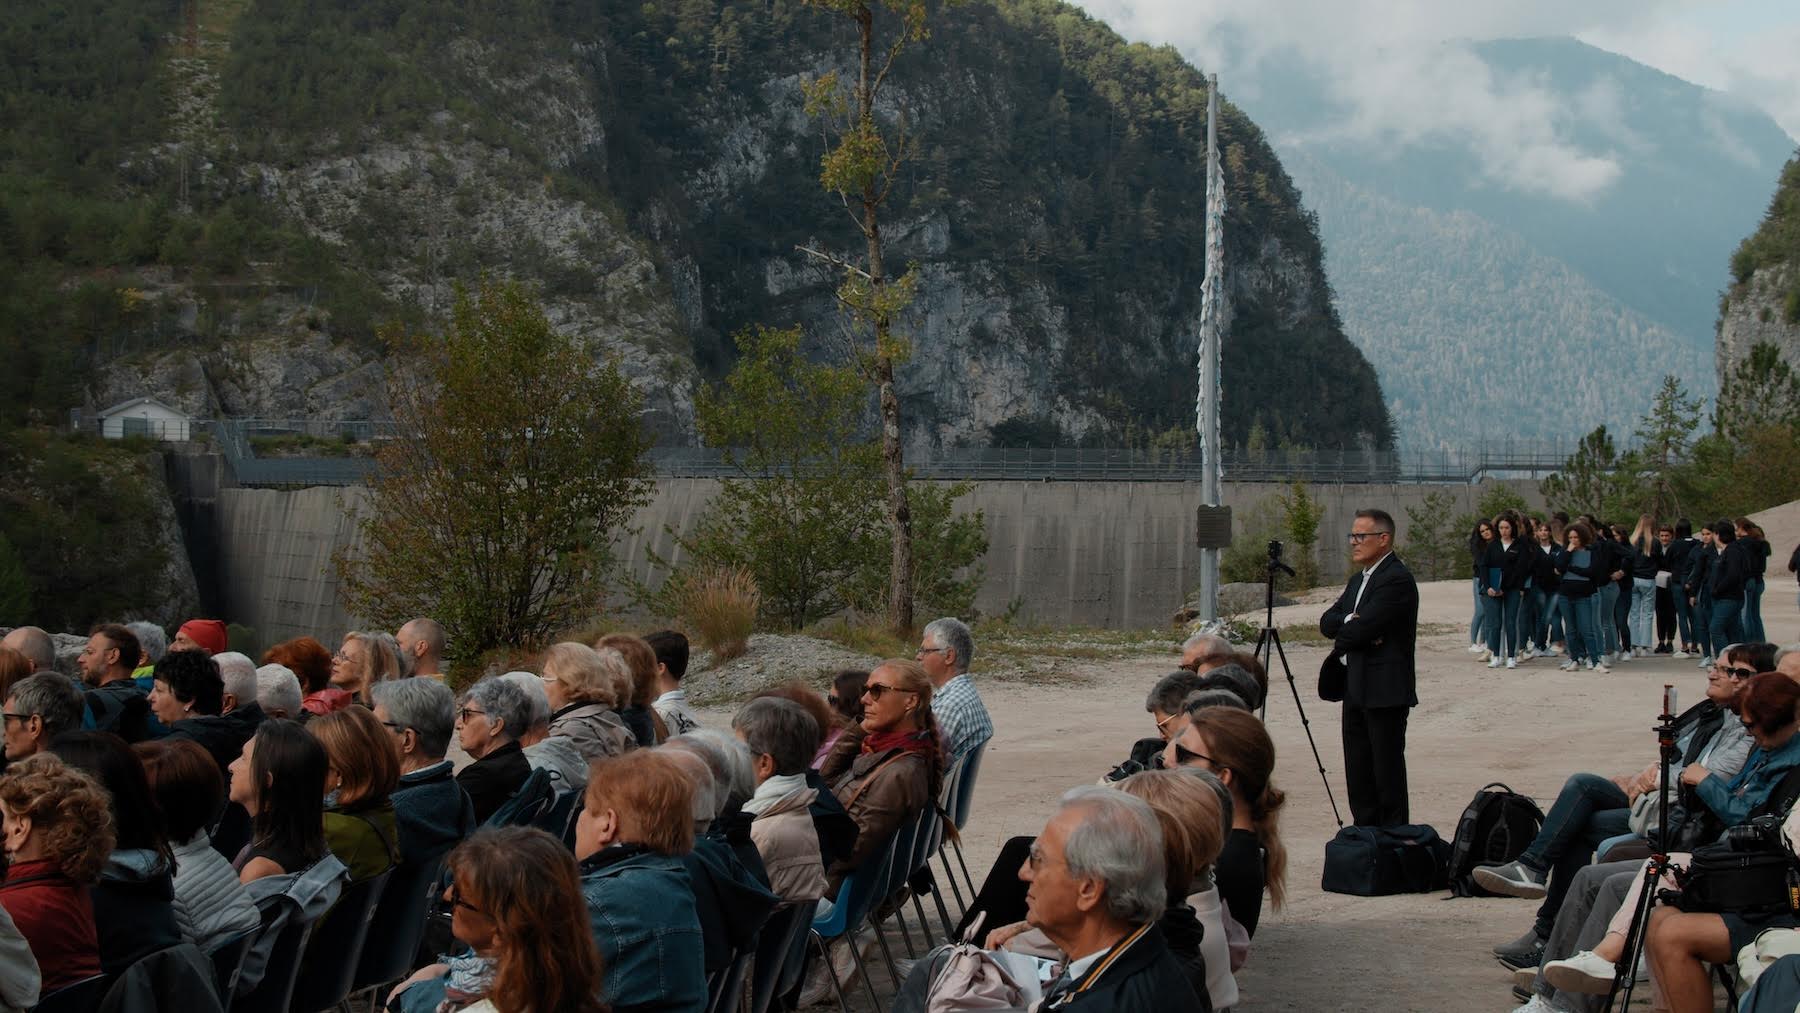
515, 900
57, 829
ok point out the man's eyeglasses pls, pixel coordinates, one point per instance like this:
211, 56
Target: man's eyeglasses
931, 650
466, 713
1163, 724
875, 690
10, 716
394, 726
1358, 536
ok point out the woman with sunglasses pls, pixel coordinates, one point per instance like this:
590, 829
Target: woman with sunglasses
1235, 746
889, 768
490, 717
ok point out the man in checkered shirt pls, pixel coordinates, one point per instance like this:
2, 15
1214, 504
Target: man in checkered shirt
945, 651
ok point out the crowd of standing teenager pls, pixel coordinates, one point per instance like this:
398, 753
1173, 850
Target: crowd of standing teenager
1597, 594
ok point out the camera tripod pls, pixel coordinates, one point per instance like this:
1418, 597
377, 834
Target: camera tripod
1625, 972
1268, 648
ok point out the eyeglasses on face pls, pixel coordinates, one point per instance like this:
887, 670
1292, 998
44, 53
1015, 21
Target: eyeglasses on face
1185, 756
1164, 723
10, 716
465, 713
930, 650
1359, 536
456, 900
876, 690
394, 726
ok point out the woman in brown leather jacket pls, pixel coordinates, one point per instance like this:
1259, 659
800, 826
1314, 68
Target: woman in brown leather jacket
888, 770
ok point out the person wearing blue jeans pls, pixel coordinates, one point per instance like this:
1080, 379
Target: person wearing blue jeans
1588, 810
1752, 617
1730, 573
1580, 600
1607, 617
1504, 572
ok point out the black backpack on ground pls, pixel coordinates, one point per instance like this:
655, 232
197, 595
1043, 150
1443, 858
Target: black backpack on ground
1497, 827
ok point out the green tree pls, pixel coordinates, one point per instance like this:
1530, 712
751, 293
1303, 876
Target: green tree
519, 456
1761, 389
15, 586
804, 514
800, 514
862, 166
1435, 537
1591, 481
1301, 514
1665, 440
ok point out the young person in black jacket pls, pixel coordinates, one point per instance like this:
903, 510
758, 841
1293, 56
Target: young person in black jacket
1677, 546
1698, 585
1756, 555
1608, 569
1504, 571
1479, 539
1730, 572
1541, 597
1578, 568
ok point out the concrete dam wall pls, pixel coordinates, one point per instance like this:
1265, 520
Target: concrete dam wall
1110, 554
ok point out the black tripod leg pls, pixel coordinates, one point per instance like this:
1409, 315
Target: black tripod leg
1275, 642
1265, 655
1625, 973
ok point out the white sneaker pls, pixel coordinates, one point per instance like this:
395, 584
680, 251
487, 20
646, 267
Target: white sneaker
1512, 663
1538, 1004
1705, 663
1569, 666
1494, 662
1624, 655
1476, 648
1603, 668
1553, 650
1484, 655
1590, 666
1586, 972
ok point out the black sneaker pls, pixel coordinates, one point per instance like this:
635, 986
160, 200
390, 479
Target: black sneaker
1664, 649
1525, 951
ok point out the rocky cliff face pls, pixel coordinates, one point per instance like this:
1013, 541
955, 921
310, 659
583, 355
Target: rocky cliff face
654, 171
1762, 307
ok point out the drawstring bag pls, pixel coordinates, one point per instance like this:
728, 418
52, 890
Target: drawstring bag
971, 979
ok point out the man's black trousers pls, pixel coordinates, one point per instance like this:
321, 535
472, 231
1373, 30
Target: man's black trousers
1375, 764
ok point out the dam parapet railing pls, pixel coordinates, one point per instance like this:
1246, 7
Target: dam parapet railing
352, 462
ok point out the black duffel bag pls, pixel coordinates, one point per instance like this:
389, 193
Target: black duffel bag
1377, 861
1719, 879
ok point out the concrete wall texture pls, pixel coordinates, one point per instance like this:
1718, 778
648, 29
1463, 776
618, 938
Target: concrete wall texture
1111, 554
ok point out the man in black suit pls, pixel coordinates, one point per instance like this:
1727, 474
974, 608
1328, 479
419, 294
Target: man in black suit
1373, 626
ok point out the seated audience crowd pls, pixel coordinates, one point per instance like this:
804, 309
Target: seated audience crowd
596, 846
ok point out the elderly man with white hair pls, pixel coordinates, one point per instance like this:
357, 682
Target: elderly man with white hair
278, 692
431, 809
945, 650
239, 701
1096, 890
1204, 651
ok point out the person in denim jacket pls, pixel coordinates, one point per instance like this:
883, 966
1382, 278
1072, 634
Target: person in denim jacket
636, 824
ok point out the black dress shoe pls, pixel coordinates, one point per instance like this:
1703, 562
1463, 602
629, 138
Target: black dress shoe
1525, 951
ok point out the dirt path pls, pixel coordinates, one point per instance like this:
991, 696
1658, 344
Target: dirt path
1530, 728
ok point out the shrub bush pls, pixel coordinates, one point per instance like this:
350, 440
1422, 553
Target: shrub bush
719, 604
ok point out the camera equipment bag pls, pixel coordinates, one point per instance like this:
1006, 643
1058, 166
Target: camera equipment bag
1497, 827
1377, 861
1720, 879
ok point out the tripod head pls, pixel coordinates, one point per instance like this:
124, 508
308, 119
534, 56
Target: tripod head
1665, 726
1275, 564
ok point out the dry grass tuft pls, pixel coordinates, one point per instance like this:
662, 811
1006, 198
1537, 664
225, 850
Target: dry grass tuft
719, 606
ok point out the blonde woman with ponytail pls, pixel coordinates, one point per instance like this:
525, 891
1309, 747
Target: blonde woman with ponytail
1236, 747
886, 771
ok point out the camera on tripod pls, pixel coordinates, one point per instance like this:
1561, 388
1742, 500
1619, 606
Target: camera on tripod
1275, 550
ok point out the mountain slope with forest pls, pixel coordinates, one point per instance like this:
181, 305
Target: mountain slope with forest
1626, 282
241, 199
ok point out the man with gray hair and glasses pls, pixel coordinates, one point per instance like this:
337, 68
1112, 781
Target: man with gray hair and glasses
39, 708
1096, 890
433, 811
945, 650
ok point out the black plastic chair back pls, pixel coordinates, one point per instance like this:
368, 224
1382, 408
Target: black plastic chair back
724, 988
272, 993
398, 925
228, 962
81, 997
331, 958
559, 820
783, 936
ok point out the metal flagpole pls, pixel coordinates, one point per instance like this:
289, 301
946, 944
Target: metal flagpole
1206, 409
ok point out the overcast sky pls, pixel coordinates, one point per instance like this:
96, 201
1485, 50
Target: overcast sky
1406, 71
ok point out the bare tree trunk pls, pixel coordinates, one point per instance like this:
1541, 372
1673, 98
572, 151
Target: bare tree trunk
899, 509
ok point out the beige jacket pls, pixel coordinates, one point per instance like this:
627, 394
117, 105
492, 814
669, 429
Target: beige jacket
789, 845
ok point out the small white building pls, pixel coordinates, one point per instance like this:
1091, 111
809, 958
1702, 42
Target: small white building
145, 416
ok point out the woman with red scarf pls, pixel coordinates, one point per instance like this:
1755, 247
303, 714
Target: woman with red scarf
888, 770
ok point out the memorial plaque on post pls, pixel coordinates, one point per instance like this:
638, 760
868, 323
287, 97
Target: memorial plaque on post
1212, 527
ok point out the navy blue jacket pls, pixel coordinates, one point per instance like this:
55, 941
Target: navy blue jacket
432, 811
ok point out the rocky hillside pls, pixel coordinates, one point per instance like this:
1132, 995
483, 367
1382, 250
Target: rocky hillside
255, 189
1763, 303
